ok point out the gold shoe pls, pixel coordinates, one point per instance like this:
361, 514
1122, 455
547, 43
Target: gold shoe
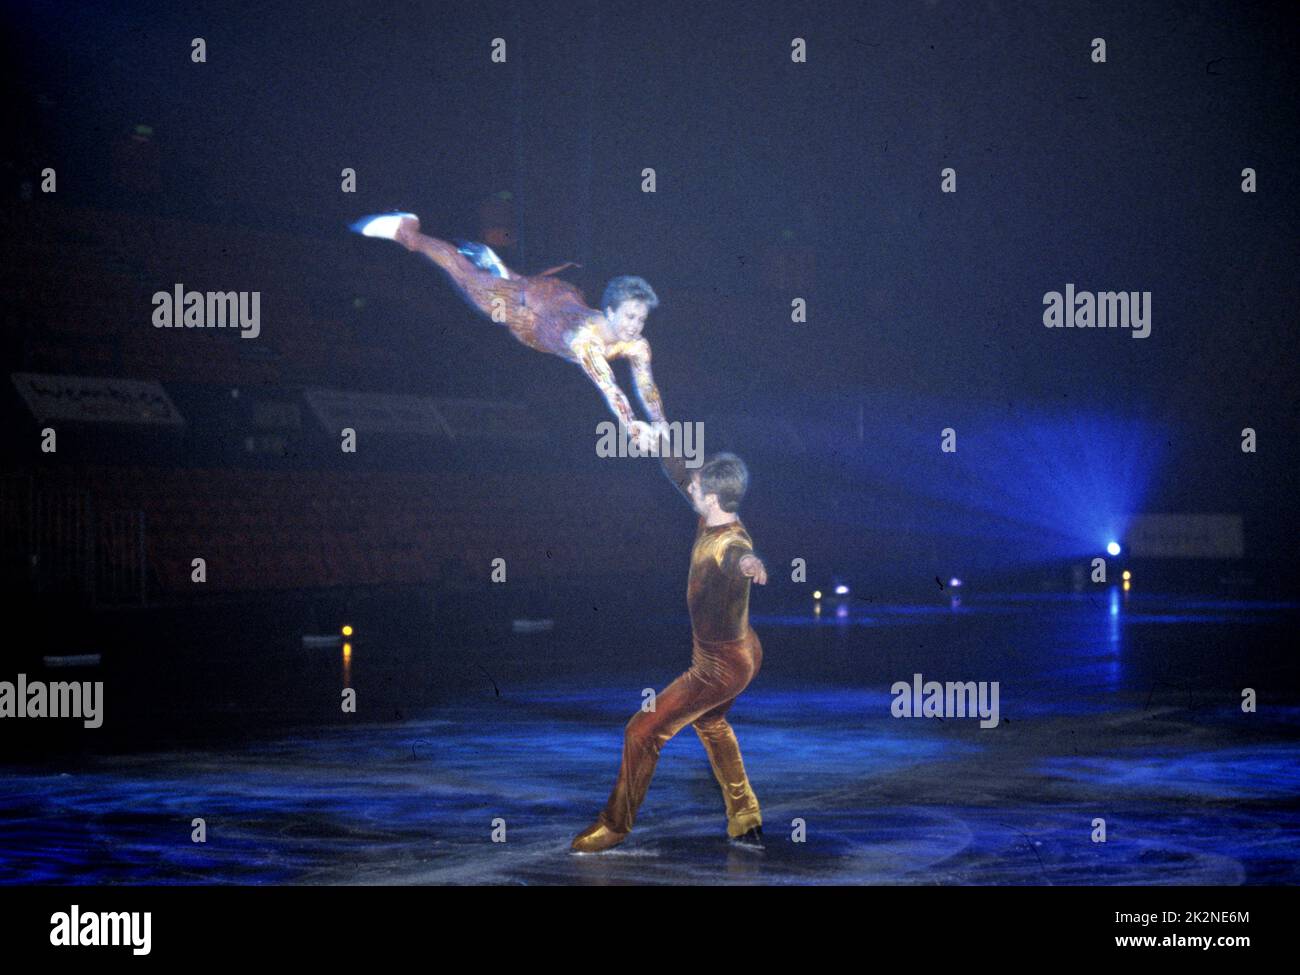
595, 838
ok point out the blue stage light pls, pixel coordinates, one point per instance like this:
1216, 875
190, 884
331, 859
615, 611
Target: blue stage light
1113, 548
841, 590
1038, 487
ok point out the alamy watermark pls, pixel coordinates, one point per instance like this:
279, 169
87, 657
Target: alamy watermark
953, 699
179, 308
664, 439
1104, 309
75, 929
60, 699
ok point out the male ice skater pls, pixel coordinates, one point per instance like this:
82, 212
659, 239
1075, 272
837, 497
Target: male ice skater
725, 657
548, 314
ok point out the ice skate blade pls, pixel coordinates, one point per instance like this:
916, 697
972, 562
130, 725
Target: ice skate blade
384, 225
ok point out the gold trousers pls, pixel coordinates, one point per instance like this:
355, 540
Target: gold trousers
700, 697
541, 311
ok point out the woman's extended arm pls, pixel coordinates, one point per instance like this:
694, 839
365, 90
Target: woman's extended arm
639, 357
591, 358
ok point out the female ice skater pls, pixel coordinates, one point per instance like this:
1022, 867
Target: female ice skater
548, 314
725, 657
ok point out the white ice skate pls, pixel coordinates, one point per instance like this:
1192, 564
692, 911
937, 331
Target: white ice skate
384, 225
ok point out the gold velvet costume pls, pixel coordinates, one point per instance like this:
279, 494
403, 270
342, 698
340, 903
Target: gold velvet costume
546, 314
725, 656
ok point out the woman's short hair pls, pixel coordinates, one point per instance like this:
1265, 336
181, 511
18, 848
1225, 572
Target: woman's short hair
629, 288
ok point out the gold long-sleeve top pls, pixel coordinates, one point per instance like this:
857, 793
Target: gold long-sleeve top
551, 315
717, 592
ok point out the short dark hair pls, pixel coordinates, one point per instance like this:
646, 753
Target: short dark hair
628, 288
726, 476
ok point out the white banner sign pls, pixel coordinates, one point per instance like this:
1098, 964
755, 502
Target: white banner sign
337, 409
376, 412
95, 400
1186, 537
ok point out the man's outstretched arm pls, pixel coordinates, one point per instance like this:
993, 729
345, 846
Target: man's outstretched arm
739, 559
675, 468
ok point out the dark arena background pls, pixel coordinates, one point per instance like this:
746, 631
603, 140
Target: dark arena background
349, 593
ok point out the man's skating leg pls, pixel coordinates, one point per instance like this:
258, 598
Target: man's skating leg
719, 741
680, 703
718, 673
720, 744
